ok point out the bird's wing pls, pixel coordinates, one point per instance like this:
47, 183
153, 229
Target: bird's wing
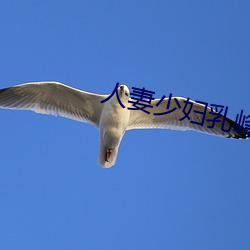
141, 120
54, 98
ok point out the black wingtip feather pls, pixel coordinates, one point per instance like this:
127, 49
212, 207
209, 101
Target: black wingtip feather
237, 134
3, 90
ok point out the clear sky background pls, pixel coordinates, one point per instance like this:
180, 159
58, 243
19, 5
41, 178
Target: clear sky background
169, 189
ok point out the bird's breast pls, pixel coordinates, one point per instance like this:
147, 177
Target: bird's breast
114, 120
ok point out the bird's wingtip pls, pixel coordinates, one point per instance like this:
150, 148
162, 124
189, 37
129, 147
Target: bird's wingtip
3, 90
237, 131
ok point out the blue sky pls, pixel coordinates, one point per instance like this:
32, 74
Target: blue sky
169, 189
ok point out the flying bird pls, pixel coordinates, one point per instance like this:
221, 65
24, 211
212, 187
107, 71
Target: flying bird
109, 116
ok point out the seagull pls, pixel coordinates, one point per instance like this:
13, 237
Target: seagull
111, 117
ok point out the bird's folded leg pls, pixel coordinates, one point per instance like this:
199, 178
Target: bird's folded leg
108, 154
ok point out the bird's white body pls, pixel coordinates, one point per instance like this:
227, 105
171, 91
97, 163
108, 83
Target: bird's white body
113, 125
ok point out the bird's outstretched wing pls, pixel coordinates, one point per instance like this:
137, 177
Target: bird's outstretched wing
54, 98
142, 120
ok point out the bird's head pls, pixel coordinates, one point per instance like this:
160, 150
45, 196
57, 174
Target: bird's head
124, 92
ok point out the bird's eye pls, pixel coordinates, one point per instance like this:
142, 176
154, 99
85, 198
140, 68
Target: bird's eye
126, 93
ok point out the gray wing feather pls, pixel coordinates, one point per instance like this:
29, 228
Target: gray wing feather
142, 120
54, 98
